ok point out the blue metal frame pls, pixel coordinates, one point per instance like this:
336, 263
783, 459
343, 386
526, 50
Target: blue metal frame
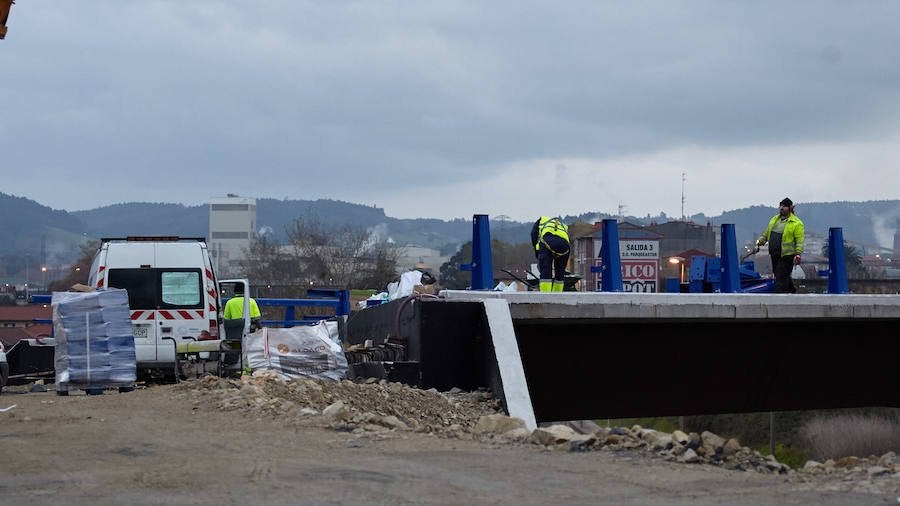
482, 266
731, 276
837, 265
610, 258
319, 297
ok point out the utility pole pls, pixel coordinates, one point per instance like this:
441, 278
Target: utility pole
683, 181
621, 212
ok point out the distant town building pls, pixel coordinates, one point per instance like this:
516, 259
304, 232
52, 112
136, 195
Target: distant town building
639, 249
680, 236
413, 256
232, 226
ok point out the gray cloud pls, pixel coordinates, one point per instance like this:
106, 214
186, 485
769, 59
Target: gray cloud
343, 98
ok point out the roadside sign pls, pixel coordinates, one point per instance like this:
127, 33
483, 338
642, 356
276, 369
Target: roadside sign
640, 265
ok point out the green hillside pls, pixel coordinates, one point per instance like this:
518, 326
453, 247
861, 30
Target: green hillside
30, 227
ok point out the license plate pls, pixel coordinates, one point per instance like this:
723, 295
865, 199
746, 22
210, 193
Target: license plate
139, 332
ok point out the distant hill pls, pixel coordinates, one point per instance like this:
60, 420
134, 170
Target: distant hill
26, 223
28, 227
143, 218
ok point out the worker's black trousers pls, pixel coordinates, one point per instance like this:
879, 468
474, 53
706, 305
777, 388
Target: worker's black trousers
782, 267
550, 264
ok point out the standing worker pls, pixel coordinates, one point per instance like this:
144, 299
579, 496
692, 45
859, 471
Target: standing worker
550, 237
234, 308
785, 237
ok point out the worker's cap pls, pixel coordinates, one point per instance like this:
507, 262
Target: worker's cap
786, 202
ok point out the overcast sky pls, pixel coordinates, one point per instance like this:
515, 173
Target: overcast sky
450, 108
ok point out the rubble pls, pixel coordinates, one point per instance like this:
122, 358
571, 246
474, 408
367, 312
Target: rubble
379, 408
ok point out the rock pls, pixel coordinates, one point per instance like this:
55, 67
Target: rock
613, 439
678, 450
582, 445
657, 440
393, 422
812, 464
37, 387
583, 426
775, 466
689, 456
498, 424
712, 443
336, 412
618, 431
553, 435
308, 412
520, 434
680, 437
889, 459
847, 462
731, 447
877, 471
601, 433
693, 440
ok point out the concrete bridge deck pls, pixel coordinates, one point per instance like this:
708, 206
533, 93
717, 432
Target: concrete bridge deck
702, 306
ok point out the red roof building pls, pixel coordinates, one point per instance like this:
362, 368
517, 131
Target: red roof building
18, 322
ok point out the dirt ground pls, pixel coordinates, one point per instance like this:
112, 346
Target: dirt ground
188, 444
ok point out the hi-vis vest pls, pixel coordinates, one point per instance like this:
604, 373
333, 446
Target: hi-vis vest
791, 238
553, 226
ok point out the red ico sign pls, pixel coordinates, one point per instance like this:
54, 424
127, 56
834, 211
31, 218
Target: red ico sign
639, 270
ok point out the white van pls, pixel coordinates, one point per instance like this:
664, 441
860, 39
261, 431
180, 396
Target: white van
172, 294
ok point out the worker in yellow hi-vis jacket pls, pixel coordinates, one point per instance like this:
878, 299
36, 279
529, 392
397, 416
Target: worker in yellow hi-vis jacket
550, 238
786, 239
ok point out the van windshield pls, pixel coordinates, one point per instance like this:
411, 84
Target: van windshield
159, 288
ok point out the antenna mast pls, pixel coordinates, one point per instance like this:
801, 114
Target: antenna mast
683, 180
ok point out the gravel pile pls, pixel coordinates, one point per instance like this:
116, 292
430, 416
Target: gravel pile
380, 409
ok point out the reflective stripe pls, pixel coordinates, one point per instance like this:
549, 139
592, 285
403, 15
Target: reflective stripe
141, 315
100, 280
181, 314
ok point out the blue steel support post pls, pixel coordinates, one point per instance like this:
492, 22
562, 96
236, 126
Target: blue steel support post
610, 259
482, 265
731, 274
837, 265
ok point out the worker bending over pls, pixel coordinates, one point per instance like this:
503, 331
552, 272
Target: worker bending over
550, 237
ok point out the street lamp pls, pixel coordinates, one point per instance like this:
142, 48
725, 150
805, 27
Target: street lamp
44, 277
676, 261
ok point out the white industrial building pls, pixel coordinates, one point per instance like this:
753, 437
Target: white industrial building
414, 256
232, 226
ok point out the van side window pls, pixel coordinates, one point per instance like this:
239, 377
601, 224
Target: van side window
140, 283
180, 288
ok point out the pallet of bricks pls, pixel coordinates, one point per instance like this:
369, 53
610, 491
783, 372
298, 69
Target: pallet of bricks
94, 341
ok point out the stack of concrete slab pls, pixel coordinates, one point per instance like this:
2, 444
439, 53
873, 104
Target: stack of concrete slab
95, 345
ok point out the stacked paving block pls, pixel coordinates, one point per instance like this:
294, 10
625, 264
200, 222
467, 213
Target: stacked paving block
94, 341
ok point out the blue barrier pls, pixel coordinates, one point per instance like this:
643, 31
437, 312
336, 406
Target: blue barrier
482, 266
337, 298
730, 282
610, 259
837, 265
